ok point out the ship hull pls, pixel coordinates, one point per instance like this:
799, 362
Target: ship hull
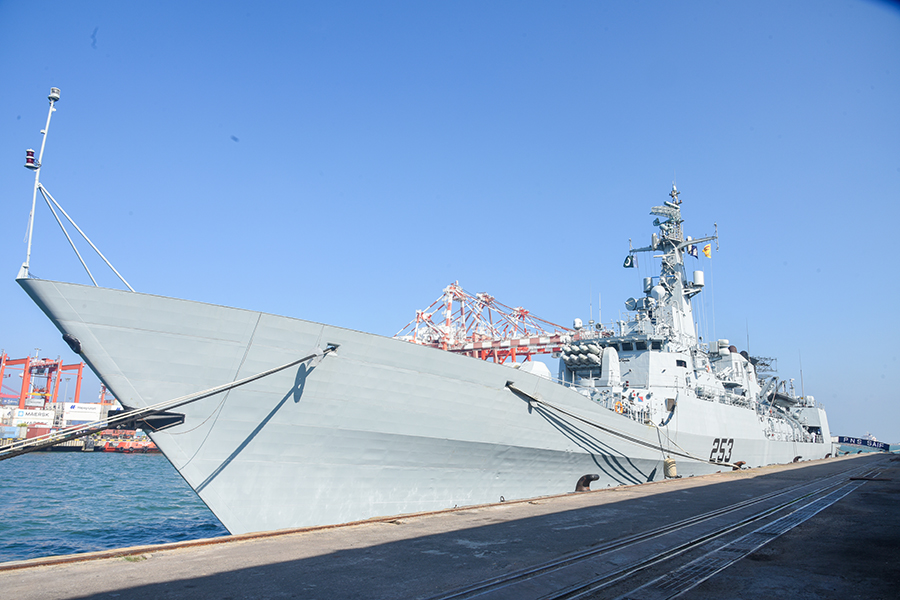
377, 427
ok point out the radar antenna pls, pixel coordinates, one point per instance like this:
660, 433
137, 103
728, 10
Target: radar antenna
674, 194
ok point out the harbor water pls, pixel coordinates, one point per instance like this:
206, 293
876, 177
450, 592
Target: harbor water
54, 503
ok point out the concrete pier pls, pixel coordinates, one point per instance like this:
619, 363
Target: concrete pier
848, 550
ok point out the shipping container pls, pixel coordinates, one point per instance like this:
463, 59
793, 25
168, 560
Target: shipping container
34, 432
9, 433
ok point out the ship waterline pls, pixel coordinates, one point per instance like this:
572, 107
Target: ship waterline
378, 426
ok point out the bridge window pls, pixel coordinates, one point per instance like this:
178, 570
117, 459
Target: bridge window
681, 363
640, 345
656, 345
627, 346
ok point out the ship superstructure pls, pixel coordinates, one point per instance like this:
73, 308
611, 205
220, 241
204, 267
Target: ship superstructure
279, 422
643, 366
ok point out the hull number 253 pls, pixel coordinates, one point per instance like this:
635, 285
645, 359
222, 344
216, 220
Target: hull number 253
721, 450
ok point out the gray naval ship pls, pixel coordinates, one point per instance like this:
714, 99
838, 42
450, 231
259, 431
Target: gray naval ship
288, 423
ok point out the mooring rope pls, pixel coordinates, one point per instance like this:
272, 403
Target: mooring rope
684, 453
52, 439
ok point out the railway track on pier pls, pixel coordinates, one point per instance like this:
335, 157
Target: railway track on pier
666, 561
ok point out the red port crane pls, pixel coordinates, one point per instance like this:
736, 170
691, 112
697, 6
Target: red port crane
40, 380
480, 326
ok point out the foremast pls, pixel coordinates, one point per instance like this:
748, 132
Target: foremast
667, 302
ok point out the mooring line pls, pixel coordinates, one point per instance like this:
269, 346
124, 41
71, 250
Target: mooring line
65, 435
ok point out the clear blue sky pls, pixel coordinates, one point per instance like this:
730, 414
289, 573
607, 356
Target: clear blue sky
344, 161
